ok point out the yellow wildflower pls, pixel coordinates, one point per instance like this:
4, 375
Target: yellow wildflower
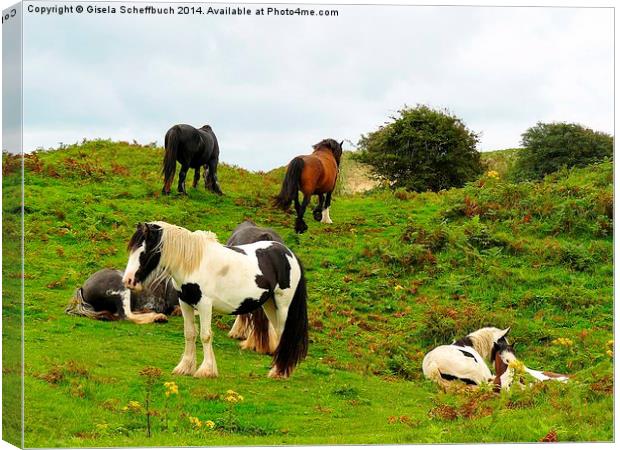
610, 353
610, 343
233, 397
517, 366
133, 406
398, 287
195, 421
210, 424
492, 174
171, 388
564, 342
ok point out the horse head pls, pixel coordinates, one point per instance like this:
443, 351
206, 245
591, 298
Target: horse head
144, 255
503, 354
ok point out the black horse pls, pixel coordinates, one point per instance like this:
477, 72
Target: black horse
193, 148
254, 328
104, 297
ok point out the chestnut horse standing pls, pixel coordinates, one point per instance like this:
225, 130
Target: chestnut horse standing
313, 174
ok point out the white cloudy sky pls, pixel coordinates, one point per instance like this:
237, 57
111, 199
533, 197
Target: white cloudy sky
272, 87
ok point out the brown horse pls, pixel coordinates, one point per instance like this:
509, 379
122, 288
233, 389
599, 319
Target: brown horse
313, 174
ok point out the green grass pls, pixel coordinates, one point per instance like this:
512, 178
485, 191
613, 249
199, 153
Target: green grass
396, 274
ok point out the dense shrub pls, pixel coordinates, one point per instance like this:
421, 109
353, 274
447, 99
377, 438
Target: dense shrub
551, 146
422, 149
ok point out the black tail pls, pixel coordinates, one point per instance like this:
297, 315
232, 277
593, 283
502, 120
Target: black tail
290, 185
293, 346
170, 156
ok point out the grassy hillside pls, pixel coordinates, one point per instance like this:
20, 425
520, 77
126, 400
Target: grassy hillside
396, 274
501, 161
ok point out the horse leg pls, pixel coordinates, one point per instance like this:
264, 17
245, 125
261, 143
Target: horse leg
196, 177
182, 175
316, 212
215, 186
208, 368
296, 202
300, 225
187, 366
277, 316
206, 177
275, 329
240, 329
325, 215
124, 310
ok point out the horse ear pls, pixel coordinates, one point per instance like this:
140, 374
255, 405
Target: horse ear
504, 333
341, 142
145, 228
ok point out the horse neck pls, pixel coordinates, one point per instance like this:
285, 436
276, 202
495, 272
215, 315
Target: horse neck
176, 265
325, 152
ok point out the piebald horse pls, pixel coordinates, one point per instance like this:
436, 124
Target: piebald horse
313, 174
231, 280
193, 148
466, 359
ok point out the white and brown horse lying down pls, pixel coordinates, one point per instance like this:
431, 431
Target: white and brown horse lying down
465, 360
228, 279
104, 297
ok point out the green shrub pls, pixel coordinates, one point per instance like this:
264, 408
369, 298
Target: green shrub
551, 146
422, 149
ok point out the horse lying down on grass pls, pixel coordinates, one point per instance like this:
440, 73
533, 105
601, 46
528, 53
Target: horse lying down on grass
104, 297
465, 360
228, 279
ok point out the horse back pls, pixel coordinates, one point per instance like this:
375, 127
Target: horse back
319, 173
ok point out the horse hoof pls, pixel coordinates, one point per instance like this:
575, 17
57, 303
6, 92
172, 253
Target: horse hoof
184, 369
273, 373
160, 318
205, 372
318, 215
300, 227
165, 192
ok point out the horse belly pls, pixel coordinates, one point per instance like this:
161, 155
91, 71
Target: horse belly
234, 293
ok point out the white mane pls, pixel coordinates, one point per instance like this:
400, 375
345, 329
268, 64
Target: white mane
182, 250
483, 339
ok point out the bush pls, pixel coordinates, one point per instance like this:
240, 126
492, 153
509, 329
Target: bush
422, 149
551, 146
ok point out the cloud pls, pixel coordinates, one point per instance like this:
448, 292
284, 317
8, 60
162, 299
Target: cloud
271, 87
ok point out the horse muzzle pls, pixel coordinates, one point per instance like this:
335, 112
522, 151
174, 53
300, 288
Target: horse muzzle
131, 283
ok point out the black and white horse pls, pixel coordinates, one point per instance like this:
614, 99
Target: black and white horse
253, 328
466, 359
104, 297
193, 148
229, 280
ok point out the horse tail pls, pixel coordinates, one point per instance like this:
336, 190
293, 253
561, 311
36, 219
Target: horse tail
293, 345
290, 185
170, 156
79, 307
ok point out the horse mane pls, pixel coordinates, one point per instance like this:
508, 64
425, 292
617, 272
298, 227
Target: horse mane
330, 144
482, 341
182, 250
